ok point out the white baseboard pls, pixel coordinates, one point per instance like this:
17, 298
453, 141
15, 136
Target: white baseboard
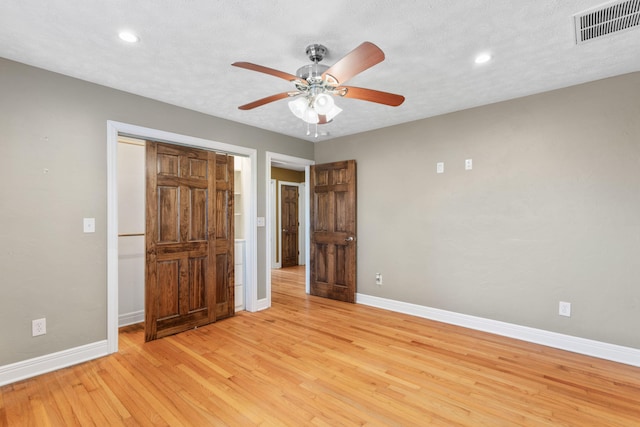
130, 318
262, 304
51, 362
613, 352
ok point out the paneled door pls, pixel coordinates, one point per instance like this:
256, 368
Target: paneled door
289, 220
189, 238
333, 230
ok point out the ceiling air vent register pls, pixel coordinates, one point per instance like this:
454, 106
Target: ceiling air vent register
608, 19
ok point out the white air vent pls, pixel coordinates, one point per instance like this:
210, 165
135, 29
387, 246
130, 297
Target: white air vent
611, 18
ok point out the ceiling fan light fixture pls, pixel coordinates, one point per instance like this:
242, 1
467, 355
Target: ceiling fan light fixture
300, 108
310, 116
333, 112
323, 104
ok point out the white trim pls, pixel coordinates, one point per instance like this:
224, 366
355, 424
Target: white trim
302, 219
50, 362
272, 245
307, 233
283, 158
263, 304
612, 352
130, 318
113, 129
112, 236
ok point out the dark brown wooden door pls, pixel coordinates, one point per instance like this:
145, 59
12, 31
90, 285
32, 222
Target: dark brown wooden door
333, 230
289, 213
189, 239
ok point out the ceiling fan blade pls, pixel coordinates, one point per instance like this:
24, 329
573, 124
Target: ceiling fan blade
371, 95
267, 70
267, 100
359, 59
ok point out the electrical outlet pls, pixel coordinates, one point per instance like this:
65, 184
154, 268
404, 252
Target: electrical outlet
468, 164
38, 327
378, 279
564, 309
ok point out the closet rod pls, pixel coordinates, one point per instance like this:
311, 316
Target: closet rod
130, 234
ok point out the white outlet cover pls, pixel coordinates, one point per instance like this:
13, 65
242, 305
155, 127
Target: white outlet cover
468, 164
38, 327
440, 167
564, 309
261, 221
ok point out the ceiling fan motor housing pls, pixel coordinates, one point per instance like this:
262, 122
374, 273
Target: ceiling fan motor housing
310, 72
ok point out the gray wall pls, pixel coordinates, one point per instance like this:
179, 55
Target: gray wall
550, 211
48, 267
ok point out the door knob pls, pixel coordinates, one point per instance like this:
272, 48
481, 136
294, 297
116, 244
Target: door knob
350, 239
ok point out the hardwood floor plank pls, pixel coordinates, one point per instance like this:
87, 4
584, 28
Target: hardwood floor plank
318, 362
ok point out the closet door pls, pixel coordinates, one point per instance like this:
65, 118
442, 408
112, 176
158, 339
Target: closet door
189, 238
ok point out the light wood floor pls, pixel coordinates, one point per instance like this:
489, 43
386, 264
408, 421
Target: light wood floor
310, 361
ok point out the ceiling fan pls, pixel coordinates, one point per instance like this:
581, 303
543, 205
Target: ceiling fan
317, 84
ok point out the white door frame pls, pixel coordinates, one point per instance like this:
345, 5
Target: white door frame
294, 161
272, 244
113, 129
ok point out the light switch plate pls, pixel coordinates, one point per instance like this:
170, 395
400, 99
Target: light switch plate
89, 225
440, 167
260, 221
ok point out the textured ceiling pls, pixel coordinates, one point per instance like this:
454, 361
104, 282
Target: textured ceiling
187, 46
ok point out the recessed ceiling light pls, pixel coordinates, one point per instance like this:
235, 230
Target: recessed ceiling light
128, 36
483, 58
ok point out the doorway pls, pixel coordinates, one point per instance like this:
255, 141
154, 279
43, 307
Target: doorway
249, 179
301, 166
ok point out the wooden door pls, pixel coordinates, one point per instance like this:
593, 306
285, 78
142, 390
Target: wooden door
289, 220
189, 238
333, 230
